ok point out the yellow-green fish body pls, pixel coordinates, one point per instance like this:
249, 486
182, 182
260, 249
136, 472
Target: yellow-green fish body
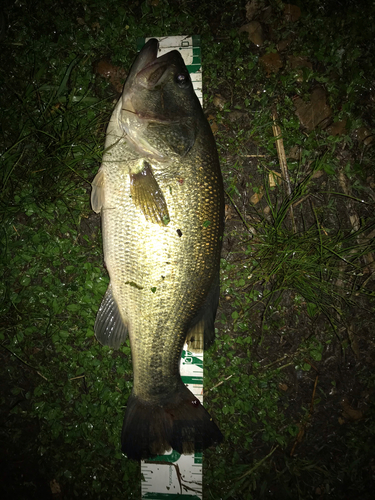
160, 194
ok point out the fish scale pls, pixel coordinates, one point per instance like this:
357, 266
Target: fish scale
160, 194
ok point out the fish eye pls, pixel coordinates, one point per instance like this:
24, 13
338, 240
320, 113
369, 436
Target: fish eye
182, 79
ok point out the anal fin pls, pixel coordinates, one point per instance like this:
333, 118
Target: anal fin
109, 326
195, 337
201, 332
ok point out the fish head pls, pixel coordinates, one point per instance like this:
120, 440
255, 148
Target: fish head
160, 109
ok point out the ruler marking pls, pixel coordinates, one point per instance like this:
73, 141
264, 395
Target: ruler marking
161, 481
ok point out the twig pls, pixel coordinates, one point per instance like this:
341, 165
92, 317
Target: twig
312, 366
24, 362
304, 425
313, 395
274, 362
217, 385
365, 282
283, 163
239, 213
300, 201
355, 219
285, 366
260, 463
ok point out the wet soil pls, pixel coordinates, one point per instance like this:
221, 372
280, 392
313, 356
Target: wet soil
333, 403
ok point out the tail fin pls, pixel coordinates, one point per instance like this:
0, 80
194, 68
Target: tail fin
181, 423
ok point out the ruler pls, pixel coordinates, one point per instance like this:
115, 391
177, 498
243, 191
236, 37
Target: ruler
190, 49
170, 476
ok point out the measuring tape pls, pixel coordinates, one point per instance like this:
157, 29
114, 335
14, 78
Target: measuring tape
169, 476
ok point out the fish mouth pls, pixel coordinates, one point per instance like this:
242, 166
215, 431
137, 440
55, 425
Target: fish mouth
147, 56
147, 73
149, 69
143, 99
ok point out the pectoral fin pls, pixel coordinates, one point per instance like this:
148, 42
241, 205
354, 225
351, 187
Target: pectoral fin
109, 325
147, 195
97, 193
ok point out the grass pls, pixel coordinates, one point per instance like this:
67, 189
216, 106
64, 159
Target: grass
297, 290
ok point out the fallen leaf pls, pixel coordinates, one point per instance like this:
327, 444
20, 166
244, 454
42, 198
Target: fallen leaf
228, 212
233, 116
364, 135
291, 12
265, 14
271, 62
337, 128
317, 174
267, 210
219, 102
252, 8
350, 413
274, 178
55, 487
213, 124
115, 74
296, 63
283, 44
256, 198
299, 62
314, 112
294, 153
255, 32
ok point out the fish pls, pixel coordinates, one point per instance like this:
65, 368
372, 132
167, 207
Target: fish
160, 194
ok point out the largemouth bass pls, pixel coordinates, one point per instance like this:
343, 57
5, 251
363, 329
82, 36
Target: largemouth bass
160, 194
